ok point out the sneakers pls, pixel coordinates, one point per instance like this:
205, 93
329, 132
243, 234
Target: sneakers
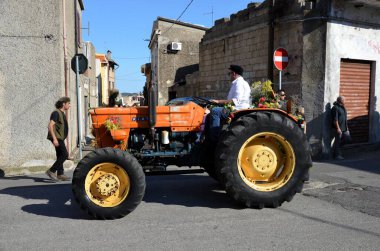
339, 157
63, 177
52, 175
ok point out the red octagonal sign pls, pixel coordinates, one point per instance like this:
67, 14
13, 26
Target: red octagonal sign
280, 58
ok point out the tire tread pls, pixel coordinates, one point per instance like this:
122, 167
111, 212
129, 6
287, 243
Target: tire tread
259, 121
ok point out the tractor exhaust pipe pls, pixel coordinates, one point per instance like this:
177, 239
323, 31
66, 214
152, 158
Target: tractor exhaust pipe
152, 105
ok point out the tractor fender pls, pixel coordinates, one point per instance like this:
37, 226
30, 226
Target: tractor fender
237, 114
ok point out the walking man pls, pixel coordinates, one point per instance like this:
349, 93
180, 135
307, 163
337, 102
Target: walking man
339, 124
58, 130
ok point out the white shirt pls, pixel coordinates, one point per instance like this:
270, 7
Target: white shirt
240, 93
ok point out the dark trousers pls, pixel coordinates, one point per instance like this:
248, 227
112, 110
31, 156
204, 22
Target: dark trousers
337, 144
62, 155
217, 115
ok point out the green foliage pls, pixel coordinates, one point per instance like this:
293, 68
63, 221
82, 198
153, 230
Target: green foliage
262, 89
230, 107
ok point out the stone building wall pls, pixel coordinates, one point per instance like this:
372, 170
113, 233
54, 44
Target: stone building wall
242, 40
290, 37
191, 87
247, 39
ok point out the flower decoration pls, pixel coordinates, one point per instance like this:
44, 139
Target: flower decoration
300, 118
263, 96
112, 123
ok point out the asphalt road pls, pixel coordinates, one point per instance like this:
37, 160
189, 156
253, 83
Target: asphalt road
338, 210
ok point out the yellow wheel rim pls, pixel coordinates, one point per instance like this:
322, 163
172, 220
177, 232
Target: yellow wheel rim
107, 184
266, 161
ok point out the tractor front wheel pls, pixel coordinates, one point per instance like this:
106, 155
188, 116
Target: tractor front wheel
108, 183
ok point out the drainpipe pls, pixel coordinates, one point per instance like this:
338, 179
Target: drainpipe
78, 84
68, 146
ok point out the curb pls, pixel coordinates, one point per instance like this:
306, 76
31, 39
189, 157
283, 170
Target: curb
69, 165
351, 152
360, 150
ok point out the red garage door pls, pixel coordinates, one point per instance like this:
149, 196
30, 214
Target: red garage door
355, 86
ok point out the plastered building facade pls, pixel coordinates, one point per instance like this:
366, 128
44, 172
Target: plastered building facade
37, 42
174, 49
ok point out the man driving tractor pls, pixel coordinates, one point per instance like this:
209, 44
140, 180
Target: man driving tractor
238, 96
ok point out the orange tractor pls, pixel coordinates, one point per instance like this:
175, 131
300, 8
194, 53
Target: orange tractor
262, 157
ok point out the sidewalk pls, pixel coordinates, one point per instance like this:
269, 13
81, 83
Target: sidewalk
353, 183
361, 166
43, 165
360, 151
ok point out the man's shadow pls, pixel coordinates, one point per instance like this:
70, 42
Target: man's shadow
59, 200
25, 177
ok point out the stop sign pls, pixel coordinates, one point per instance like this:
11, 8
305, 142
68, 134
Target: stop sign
280, 58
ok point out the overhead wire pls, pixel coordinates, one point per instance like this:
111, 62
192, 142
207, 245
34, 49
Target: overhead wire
183, 12
122, 58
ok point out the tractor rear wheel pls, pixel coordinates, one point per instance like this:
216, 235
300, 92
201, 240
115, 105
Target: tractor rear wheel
263, 159
108, 183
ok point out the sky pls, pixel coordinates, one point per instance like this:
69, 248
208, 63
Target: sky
122, 26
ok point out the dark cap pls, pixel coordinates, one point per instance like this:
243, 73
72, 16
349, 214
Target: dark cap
237, 69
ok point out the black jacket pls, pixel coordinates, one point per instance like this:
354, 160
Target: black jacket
339, 113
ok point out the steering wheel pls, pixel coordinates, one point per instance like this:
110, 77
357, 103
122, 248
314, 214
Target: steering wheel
205, 102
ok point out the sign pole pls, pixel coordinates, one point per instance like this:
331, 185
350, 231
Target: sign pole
79, 64
79, 105
281, 61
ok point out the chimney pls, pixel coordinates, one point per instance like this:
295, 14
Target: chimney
109, 55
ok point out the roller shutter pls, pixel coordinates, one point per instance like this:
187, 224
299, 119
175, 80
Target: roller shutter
355, 84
